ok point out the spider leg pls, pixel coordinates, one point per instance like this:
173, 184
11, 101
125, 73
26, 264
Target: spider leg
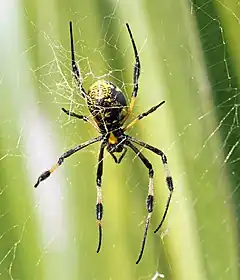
141, 116
136, 72
99, 205
75, 70
118, 160
150, 196
81, 117
72, 114
169, 180
67, 154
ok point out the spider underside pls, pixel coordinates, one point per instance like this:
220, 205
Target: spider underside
108, 106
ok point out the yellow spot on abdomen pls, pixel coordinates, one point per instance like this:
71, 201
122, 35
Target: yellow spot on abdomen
112, 139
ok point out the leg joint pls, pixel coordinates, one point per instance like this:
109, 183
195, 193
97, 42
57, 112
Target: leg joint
99, 182
151, 172
60, 160
164, 158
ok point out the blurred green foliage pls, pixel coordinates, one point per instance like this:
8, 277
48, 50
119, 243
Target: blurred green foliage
189, 52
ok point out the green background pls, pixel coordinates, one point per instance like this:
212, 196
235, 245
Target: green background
190, 57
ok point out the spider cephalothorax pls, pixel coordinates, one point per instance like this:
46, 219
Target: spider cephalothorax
109, 108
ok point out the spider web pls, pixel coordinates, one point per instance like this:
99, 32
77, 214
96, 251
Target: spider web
52, 227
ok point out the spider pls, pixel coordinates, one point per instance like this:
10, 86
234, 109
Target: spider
109, 109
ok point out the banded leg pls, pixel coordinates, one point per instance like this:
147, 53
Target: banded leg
136, 72
75, 70
67, 154
99, 205
150, 197
143, 115
169, 180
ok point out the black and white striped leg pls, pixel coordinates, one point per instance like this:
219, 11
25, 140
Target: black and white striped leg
169, 180
150, 197
99, 205
67, 154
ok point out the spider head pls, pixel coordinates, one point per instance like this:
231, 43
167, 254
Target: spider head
114, 148
116, 141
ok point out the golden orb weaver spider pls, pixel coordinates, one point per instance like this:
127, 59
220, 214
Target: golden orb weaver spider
109, 109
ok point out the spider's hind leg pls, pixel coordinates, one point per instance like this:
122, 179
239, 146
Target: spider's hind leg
75, 69
136, 73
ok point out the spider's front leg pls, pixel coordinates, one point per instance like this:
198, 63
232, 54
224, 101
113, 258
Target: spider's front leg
150, 197
47, 173
99, 205
169, 179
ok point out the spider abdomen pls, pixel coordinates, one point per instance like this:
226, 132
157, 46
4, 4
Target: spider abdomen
107, 104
